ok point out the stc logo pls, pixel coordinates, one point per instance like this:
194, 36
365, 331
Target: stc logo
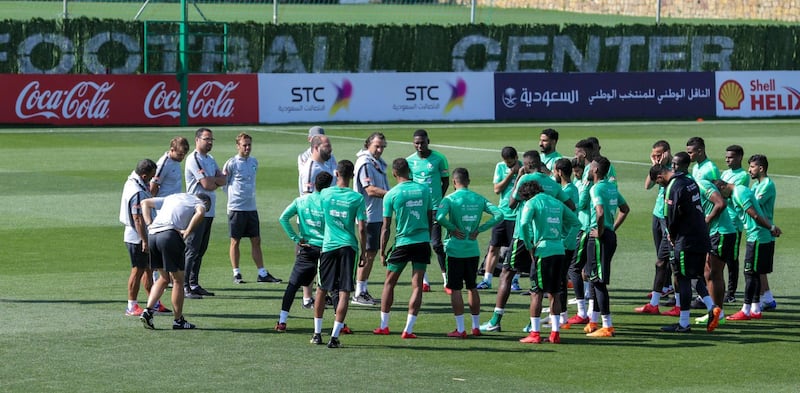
458, 92
313, 98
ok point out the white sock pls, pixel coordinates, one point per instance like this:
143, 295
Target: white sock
582, 308
499, 311
460, 323
607, 321
590, 308
364, 287
594, 316
684, 318
555, 324
655, 298
562, 319
516, 277
384, 320
317, 325
425, 279
536, 324
359, 287
444, 278
767, 297
132, 304
746, 309
236, 271
306, 300
755, 308
410, 320
488, 277
476, 321
262, 272
337, 328
283, 316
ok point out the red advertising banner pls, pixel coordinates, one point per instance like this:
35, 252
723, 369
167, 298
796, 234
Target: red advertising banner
70, 100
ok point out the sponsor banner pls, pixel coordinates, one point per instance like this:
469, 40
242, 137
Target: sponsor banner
375, 97
758, 93
663, 95
72, 100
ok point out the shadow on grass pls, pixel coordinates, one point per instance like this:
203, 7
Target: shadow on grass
84, 302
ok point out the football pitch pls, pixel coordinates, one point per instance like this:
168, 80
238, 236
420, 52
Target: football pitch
64, 269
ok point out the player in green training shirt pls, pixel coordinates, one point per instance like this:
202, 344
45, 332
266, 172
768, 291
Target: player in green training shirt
460, 213
548, 139
310, 225
410, 203
342, 209
764, 190
543, 224
429, 167
760, 246
735, 174
602, 243
505, 177
704, 169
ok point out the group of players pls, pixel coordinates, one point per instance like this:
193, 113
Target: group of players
558, 229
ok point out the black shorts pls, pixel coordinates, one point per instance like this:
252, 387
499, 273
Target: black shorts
547, 273
167, 251
660, 239
758, 257
139, 259
599, 252
502, 234
337, 269
373, 236
724, 246
414, 253
243, 224
578, 260
690, 264
462, 272
305, 265
518, 259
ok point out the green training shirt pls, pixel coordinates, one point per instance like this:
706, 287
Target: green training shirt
722, 223
410, 202
341, 208
430, 171
310, 220
606, 194
544, 222
501, 170
463, 210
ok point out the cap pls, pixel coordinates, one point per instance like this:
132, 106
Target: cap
316, 130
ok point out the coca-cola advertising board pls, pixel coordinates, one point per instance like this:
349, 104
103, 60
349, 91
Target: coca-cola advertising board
74, 100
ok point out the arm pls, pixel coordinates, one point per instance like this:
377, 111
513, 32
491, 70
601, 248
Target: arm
719, 206
362, 237
154, 187
497, 216
199, 213
138, 223
600, 211
501, 186
621, 216
763, 221
387, 223
211, 183
147, 211
287, 214
445, 184
375, 192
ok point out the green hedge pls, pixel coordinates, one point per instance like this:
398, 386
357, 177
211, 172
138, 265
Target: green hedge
97, 46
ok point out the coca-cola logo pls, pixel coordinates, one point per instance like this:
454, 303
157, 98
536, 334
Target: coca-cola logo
85, 100
210, 99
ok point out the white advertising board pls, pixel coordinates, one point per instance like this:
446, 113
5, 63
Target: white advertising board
375, 97
758, 93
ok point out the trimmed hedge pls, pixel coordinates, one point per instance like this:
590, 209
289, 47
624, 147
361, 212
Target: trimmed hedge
115, 46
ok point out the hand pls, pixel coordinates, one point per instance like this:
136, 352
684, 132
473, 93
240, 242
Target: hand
473, 235
145, 248
383, 259
458, 234
184, 234
303, 243
775, 231
594, 233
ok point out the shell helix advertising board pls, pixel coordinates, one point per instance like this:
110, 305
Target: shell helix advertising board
758, 94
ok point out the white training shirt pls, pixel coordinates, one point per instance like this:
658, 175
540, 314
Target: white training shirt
199, 166
310, 170
133, 193
241, 183
168, 176
174, 212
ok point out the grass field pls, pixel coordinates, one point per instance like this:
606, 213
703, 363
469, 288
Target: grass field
63, 272
336, 13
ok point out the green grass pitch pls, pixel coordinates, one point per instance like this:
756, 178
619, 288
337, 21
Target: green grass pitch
63, 273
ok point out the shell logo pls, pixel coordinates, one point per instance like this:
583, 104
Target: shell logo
731, 94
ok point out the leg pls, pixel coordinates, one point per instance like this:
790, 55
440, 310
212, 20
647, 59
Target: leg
258, 256
474, 299
714, 280
177, 294
387, 296
158, 288
319, 303
234, 253
415, 301
504, 289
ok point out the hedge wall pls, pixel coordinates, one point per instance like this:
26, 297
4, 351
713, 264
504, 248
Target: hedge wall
116, 46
